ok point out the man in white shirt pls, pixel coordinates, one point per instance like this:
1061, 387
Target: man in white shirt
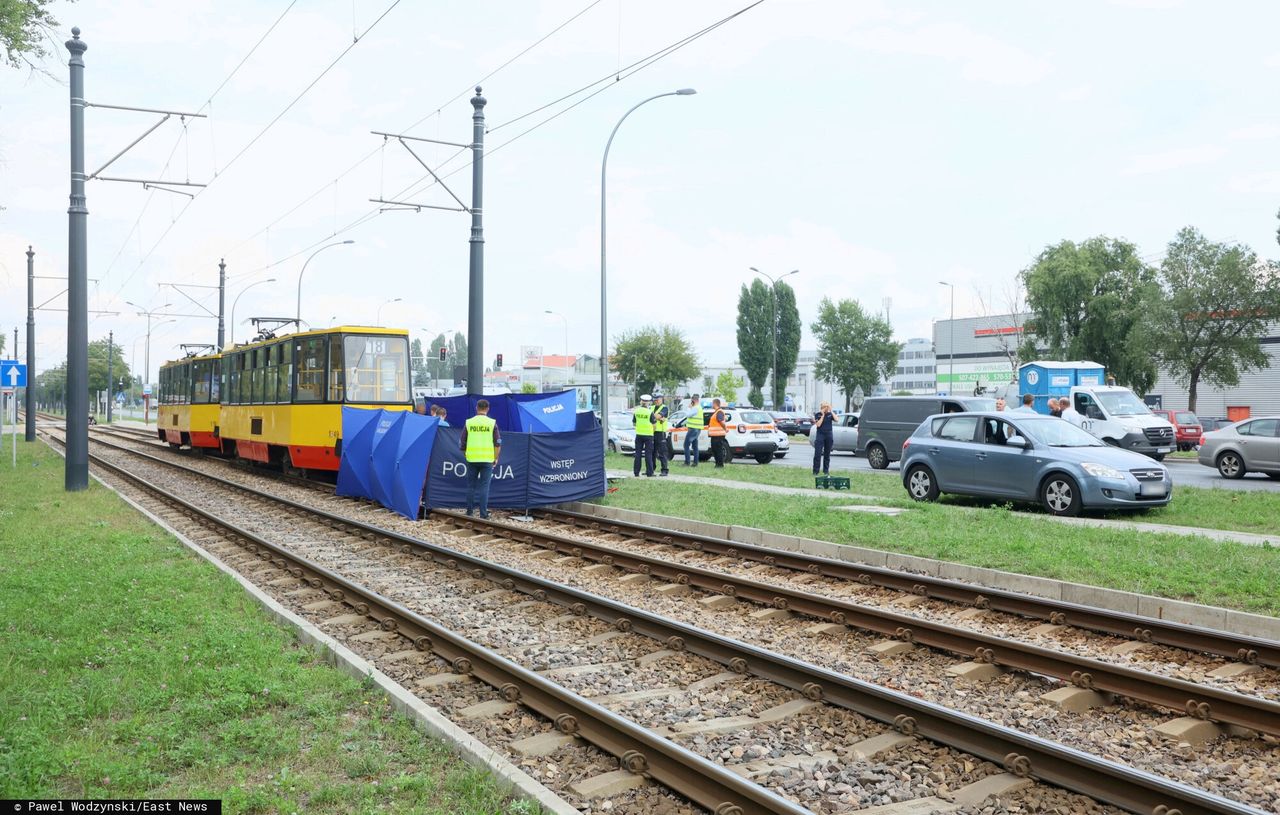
1027, 400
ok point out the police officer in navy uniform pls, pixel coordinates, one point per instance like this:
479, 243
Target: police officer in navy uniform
642, 419
660, 414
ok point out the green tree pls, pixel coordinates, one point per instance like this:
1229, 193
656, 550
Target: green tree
1216, 302
854, 347
755, 336
1, 343
421, 373
528, 387
26, 27
652, 356
98, 369
457, 355
727, 386
788, 341
1087, 302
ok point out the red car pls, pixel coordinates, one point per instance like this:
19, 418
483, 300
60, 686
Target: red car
1186, 427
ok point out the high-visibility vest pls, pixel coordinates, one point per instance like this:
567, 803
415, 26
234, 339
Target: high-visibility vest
480, 446
644, 421
695, 420
716, 427
660, 419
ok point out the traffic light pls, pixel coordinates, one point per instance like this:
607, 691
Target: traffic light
499, 365
443, 350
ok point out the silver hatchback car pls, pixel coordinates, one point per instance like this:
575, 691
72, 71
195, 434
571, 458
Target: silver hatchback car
1250, 446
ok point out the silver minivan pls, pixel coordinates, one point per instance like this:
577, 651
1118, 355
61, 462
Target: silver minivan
888, 421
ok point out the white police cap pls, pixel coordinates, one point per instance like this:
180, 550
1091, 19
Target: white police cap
644, 397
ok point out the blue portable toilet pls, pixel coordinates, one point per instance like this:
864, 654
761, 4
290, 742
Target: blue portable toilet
1046, 378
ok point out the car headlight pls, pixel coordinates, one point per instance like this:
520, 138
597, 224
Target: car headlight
1102, 471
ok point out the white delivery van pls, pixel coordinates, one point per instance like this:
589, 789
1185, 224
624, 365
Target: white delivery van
1117, 416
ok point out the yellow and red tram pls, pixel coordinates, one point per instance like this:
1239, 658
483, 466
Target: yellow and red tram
279, 400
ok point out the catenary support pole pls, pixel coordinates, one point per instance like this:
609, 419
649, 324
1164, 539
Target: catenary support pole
77, 458
475, 313
111, 346
222, 301
31, 345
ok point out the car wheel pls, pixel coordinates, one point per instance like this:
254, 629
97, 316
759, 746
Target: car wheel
613, 448
921, 485
1060, 495
877, 457
764, 458
1230, 465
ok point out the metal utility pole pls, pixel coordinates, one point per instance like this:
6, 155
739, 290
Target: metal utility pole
77, 459
222, 300
475, 310
31, 344
952, 352
111, 346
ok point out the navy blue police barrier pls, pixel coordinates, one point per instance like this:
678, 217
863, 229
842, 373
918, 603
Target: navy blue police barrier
552, 414
385, 456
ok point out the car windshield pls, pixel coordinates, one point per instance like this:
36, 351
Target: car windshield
755, 417
1059, 433
1122, 403
980, 404
1186, 417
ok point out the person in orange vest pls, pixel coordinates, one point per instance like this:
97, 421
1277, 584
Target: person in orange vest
718, 430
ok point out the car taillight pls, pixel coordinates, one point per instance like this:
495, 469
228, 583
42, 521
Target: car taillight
905, 445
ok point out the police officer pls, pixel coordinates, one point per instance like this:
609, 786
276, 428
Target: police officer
642, 419
481, 444
660, 414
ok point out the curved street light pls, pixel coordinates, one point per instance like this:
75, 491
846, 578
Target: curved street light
378, 318
232, 340
773, 296
604, 298
298, 316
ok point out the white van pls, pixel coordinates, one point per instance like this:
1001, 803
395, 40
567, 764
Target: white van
1117, 416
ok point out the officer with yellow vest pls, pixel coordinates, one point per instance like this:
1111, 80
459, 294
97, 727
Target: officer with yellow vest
660, 445
693, 425
642, 418
481, 444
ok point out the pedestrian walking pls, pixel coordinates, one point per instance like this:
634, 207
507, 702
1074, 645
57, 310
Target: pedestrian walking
642, 419
823, 438
661, 448
693, 429
481, 445
717, 430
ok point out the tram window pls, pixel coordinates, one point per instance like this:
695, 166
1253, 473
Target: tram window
310, 356
234, 363
164, 374
285, 381
269, 374
201, 384
377, 369
337, 378
215, 381
255, 378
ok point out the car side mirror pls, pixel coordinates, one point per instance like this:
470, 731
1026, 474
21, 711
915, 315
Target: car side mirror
1018, 441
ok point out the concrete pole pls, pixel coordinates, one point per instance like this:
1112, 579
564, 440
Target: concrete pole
77, 459
146, 356
111, 347
222, 301
475, 311
31, 345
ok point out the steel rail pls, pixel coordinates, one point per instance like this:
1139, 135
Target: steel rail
1254, 650
639, 749
1022, 754
1200, 701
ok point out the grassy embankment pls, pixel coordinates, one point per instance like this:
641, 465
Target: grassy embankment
1256, 512
130, 668
1185, 568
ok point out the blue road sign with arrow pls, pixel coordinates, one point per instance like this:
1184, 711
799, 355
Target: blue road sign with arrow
12, 375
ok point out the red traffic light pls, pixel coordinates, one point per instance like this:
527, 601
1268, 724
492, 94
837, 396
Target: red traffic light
499, 360
443, 351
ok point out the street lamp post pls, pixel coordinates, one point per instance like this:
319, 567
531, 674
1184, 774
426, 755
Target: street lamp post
236, 301
304, 271
773, 295
604, 299
378, 319
146, 414
566, 341
952, 341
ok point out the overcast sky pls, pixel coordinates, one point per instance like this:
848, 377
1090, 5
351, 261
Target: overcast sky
878, 147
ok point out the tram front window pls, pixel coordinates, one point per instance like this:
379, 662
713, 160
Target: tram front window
377, 369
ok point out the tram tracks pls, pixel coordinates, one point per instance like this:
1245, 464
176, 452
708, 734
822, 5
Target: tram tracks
1106, 781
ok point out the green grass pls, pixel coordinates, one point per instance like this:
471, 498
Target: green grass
1183, 568
130, 668
1254, 511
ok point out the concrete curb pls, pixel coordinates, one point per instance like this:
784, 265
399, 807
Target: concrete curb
1222, 619
507, 776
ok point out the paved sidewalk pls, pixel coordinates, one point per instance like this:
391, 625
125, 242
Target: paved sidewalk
1246, 538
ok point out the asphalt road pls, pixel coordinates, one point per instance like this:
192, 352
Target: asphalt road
1185, 472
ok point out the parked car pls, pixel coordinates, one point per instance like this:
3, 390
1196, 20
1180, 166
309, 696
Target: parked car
1186, 427
1252, 445
1208, 424
886, 422
792, 423
1028, 457
752, 434
622, 434
844, 432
